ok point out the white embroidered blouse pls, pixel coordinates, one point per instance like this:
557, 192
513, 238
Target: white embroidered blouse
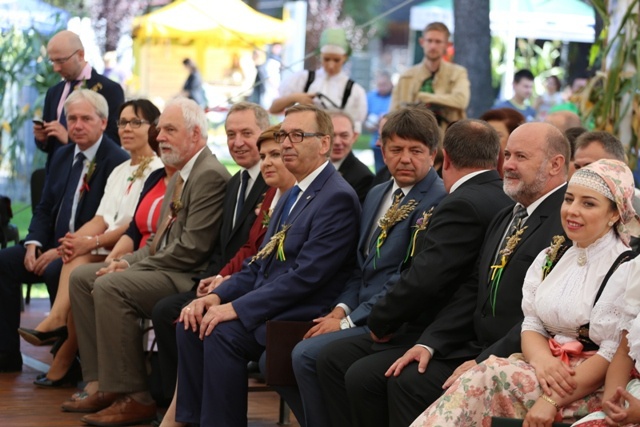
564, 300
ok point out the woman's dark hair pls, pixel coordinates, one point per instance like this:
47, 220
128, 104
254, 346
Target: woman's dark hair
510, 117
145, 109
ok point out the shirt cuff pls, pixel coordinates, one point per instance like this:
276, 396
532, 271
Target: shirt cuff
351, 324
431, 350
33, 242
347, 310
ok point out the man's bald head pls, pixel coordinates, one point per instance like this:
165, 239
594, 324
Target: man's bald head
563, 120
66, 54
66, 39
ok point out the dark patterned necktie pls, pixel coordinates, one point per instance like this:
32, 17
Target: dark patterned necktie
519, 215
244, 181
66, 206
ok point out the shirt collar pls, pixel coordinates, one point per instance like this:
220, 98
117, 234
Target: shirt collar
532, 207
186, 169
464, 179
85, 74
89, 153
306, 182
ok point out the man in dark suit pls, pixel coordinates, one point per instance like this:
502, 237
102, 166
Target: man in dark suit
356, 173
245, 190
113, 362
307, 255
72, 193
410, 142
484, 315
66, 54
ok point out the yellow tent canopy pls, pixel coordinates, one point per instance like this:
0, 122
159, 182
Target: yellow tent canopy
230, 22
219, 35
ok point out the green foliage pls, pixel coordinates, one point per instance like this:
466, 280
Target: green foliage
613, 92
540, 60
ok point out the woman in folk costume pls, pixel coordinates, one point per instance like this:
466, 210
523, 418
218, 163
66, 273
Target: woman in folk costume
621, 397
569, 333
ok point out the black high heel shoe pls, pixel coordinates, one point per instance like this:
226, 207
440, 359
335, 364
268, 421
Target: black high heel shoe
38, 338
71, 378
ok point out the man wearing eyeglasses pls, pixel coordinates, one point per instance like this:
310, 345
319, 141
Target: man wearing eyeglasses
66, 55
307, 255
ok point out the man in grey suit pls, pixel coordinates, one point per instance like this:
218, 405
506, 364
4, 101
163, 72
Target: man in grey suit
409, 145
244, 124
108, 301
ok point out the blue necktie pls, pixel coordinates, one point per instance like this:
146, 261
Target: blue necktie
66, 207
288, 204
243, 194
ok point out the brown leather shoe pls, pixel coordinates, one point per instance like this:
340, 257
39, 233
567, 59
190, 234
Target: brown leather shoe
124, 412
82, 402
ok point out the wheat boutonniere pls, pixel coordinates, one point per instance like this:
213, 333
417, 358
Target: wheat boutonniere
275, 243
497, 269
391, 217
421, 225
552, 255
87, 177
139, 172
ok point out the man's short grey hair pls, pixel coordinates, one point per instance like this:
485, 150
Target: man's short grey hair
609, 143
93, 97
345, 115
262, 117
193, 115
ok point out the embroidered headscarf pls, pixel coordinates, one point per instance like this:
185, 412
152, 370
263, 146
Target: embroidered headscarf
614, 180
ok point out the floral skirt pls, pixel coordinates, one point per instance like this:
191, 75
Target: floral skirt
498, 387
596, 419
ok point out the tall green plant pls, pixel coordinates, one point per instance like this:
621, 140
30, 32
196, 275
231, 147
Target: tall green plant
613, 92
22, 64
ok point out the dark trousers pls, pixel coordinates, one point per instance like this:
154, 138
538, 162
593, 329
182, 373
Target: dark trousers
357, 393
12, 275
164, 315
212, 390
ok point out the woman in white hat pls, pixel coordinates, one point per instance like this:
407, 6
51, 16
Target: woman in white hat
329, 87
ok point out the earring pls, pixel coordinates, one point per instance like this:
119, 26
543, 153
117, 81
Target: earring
610, 223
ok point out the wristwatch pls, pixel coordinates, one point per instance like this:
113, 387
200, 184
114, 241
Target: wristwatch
344, 323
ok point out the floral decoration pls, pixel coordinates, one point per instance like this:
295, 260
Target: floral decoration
275, 243
552, 254
87, 177
391, 217
421, 225
139, 172
497, 269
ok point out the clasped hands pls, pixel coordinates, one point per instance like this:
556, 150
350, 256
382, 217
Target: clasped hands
203, 314
38, 263
73, 245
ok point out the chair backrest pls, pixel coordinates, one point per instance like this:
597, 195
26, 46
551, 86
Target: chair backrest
5, 211
37, 185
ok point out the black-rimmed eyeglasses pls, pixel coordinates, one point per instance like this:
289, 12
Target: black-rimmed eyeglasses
295, 137
135, 123
61, 61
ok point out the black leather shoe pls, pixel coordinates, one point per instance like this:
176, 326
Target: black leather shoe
70, 379
10, 362
34, 337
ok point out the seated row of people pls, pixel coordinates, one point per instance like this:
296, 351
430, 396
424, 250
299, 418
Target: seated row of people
339, 365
